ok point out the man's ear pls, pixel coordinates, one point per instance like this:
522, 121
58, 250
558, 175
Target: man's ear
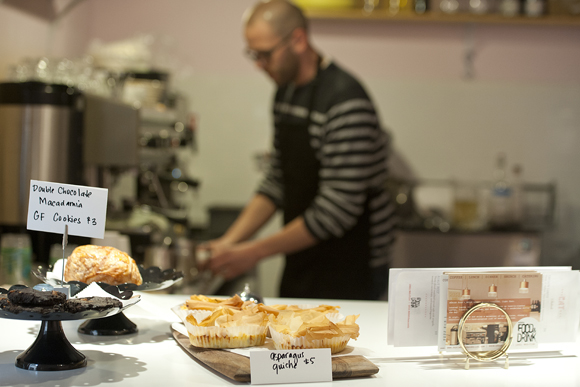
299, 40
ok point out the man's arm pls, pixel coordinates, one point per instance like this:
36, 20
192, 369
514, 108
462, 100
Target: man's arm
256, 213
294, 237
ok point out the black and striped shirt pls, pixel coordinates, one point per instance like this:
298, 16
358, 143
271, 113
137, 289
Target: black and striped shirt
352, 149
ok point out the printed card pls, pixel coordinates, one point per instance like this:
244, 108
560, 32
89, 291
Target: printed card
519, 294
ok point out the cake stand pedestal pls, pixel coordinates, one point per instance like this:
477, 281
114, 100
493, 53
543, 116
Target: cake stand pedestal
115, 325
51, 351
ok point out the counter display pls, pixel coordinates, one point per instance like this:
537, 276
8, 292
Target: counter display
153, 358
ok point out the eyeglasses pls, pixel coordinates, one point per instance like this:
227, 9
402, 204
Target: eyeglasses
257, 55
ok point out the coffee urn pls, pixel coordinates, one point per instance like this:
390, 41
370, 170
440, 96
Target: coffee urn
41, 139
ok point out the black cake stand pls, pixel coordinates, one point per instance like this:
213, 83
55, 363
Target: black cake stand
51, 351
153, 279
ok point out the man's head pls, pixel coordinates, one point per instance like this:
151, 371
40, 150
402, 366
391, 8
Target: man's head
276, 32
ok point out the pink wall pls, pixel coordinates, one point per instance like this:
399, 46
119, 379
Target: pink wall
20, 36
69, 36
206, 34
25, 36
535, 54
422, 51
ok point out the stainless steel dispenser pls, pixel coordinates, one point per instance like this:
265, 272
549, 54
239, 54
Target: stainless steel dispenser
40, 138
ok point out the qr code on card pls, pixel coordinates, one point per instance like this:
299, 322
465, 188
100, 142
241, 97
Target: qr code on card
415, 302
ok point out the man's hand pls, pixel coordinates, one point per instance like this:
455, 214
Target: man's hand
231, 261
234, 259
258, 211
205, 251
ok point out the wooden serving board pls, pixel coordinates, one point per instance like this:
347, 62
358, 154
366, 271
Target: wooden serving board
237, 367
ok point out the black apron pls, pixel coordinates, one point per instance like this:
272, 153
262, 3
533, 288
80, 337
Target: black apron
337, 268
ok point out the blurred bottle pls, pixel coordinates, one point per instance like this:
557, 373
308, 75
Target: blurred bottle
454, 340
534, 8
518, 196
396, 6
420, 6
449, 6
501, 206
465, 206
56, 252
509, 8
479, 7
15, 259
369, 6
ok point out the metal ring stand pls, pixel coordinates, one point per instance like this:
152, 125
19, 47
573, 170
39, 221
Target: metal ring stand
485, 355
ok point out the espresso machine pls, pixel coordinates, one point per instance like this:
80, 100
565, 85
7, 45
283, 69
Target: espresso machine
52, 132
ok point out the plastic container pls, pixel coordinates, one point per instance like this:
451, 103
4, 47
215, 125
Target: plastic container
15, 259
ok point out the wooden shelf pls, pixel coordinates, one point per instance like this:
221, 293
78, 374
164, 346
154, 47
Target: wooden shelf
440, 17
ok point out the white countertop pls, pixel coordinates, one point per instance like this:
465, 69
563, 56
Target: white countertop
152, 358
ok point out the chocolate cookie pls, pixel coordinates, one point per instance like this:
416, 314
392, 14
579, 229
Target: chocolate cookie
75, 305
31, 297
7, 305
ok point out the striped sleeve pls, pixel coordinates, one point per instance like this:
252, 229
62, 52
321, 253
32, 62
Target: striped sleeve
353, 152
271, 184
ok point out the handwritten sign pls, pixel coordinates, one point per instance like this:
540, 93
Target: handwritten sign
51, 206
291, 366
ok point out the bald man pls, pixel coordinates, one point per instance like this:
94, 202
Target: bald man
327, 173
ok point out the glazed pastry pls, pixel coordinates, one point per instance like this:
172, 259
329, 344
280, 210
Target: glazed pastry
91, 263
